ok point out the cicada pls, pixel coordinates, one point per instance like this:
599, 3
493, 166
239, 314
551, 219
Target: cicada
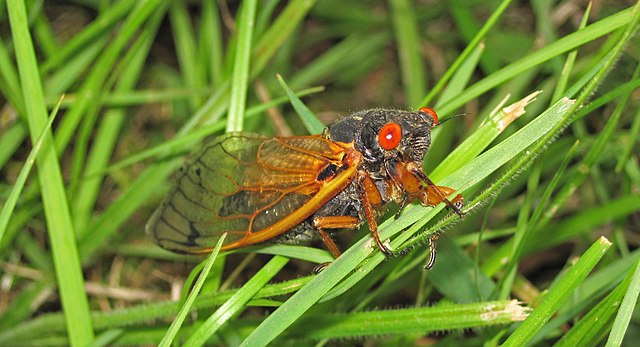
300, 188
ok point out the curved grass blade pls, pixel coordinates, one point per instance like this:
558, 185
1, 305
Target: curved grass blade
186, 308
12, 200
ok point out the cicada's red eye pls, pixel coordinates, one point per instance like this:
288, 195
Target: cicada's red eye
390, 135
432, 113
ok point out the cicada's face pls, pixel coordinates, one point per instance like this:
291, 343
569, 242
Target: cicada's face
386, 137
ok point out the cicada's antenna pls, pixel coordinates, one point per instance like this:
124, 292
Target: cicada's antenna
452, 117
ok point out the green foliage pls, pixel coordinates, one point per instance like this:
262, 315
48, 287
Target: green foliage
546, 157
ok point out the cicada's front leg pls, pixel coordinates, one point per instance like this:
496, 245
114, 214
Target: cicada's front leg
433, 195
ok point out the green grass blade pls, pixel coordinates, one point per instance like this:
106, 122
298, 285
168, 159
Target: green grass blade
310, 121
240, 78
563, 80
211, 44
415, 320
60, 227
629, 304
410, 59
10, 85
12, 200
11, 140
491, 127
186, 308
185, 41
634, 134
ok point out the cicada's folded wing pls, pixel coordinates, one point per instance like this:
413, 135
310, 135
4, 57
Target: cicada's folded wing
252, 187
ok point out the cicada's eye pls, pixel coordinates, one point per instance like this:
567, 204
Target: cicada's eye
432, 113
390, 135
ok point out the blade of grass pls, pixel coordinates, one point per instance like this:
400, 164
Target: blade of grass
563, 79
461, 77
211, 44
12, 199
491, 127
63, 79
186, 308
634, 133
444, 135
60, 227
11, 140
609, 279
10, 83
279, 31
417, 320
519, 242
45, 35
240, 77
344, 56
310, 121
185, 42
621, 323
410, 59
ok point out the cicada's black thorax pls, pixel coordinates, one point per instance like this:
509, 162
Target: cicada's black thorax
362, 128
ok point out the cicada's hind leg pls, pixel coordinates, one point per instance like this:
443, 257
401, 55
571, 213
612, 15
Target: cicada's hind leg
332, 222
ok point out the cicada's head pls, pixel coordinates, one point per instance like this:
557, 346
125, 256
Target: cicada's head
386, 137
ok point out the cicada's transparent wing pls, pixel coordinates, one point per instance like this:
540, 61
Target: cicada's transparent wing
252, 187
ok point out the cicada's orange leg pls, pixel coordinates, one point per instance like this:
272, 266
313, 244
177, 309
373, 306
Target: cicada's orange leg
332, 222
437, 194
370, 196
433, 198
